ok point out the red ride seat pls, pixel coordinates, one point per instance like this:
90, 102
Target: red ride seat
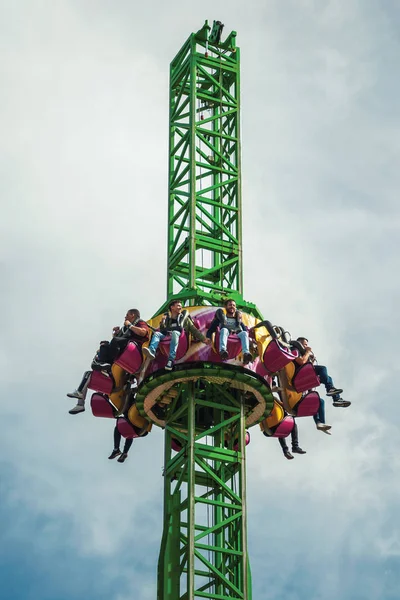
183, 345
100, 383
101, 406
233, 346
283, 429
236, 444
125, 428
276, 356
305, 378
308, 405
131, 358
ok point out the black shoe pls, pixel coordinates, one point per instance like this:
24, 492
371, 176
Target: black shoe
114, 454
170, 365
341, 402
334, 391
298, 450
287, 455
123, 457
247, 358
224, 355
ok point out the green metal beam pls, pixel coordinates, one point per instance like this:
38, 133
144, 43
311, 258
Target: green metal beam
204, 546
204, 216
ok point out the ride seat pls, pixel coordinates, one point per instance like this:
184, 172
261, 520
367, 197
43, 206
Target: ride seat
131, 358
276, 357
183, 345
236, 444
101, 406
308, 405
233, 346
284, 428
305, 378
126, 429
100, 383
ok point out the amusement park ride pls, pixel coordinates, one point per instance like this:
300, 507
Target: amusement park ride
205, 404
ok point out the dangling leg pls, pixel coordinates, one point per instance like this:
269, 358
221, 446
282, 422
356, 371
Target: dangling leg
223, 341
285, 448
173, 346
124, 455
244, 339
117, 441
151, 350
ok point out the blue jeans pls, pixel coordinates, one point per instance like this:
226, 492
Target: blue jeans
158, 336
320, 416
242, 335
326, 379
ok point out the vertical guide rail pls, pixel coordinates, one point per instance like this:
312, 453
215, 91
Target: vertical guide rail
203, 551
204, 171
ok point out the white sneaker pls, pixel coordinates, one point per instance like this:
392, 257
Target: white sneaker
324, 428
77, 409
75, 394
148, 352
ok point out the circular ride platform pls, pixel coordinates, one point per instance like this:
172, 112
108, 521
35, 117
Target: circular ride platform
159, 394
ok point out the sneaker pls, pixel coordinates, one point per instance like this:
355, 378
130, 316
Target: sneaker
334, 391
123, 457
341, 402
287, 455
170, 365
148, 352
114, 453
224, 355
247, 357
77, 409
76, 394
324, 427
298, 450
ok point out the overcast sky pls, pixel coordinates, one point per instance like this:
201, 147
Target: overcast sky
83, 182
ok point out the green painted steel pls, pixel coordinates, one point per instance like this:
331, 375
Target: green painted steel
204, 545
205, 229
203, 550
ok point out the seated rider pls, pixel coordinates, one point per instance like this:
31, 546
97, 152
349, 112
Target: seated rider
229, 320
81, 390
173, 323
322, 373
133, 330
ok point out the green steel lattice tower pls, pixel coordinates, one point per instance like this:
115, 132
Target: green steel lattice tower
204, 544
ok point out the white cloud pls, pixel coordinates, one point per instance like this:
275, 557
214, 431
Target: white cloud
83, 236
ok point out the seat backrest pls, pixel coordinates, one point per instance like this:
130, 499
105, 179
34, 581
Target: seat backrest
276, 357
131, 358
126, 429
101, 406
183, 345
100, 383
305, 378
308, 405
234, 345
284, 428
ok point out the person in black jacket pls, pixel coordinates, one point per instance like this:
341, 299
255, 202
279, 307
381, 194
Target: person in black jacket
173, 323
229, 320
133, 330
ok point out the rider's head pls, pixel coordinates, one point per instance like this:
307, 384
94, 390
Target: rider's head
175, 307
303, 341
230, 306
132, 314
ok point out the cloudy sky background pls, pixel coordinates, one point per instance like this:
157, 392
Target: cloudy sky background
83, 182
